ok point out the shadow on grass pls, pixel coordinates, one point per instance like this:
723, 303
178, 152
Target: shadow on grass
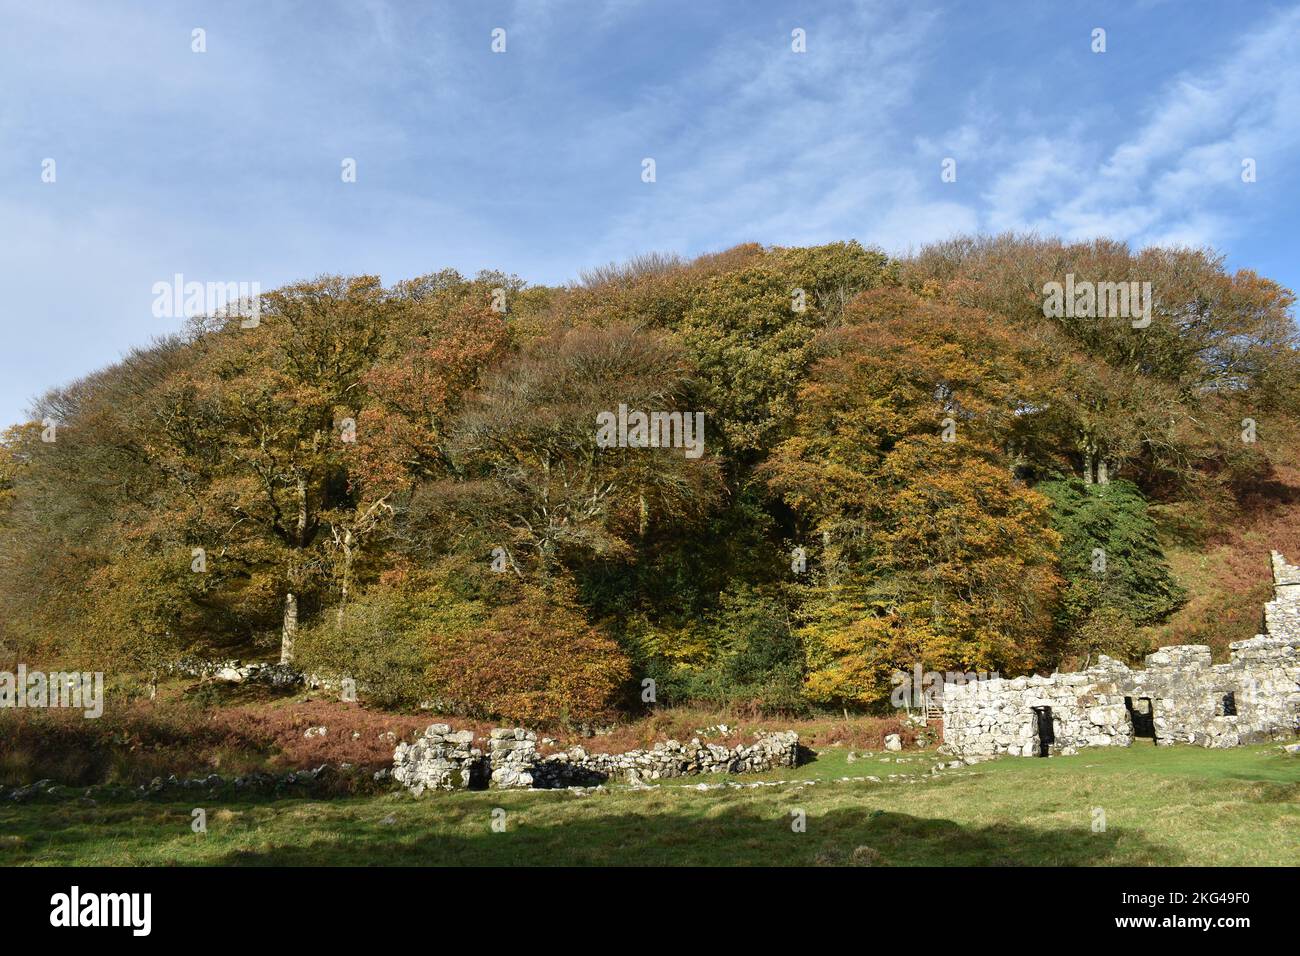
731, 837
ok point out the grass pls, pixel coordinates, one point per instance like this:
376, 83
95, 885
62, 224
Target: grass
1163, 806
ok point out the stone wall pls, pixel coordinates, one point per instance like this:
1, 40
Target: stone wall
443, 760
276, 675
1180, 697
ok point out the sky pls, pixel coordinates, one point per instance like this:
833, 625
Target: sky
226, 165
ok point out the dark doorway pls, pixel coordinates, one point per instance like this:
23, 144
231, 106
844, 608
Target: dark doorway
1046, 736
1141, 715
1230, 704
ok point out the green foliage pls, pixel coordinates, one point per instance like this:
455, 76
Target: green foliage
753, 346
391, 636
751, 659
1109, 631
1111, 519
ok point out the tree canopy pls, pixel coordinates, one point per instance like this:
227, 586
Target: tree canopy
902, 461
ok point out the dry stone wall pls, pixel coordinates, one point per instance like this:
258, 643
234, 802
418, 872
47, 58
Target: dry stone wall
445, 760
1180, 696
442, 759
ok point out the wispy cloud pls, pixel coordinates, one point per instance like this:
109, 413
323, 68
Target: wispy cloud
1176, 176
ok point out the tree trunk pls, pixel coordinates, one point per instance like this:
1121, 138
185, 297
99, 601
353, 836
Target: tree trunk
348, 541
290, 629
302, 511
1103, 472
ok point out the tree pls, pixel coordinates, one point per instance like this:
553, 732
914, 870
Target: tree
935, 552
535, 661
754, 334
545, 488
1110, 554
1162, 403
253, 440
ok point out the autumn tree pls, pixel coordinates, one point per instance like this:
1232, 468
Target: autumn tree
255, 441
933, 551
546, 488
1160, 402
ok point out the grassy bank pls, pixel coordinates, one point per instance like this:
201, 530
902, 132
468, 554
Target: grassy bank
1171, 806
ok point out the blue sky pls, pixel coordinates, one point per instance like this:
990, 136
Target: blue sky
225, 165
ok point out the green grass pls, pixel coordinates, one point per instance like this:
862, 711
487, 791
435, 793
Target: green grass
1163, 806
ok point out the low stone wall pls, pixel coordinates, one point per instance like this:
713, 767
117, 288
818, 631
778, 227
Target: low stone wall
444, 760
667, 759
1180, 697
275, 675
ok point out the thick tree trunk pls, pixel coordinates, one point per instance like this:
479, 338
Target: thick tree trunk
290, 629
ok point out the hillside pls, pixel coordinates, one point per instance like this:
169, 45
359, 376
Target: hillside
766, 478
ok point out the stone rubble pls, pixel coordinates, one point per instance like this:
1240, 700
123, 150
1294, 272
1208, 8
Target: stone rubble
443, 760
273, 675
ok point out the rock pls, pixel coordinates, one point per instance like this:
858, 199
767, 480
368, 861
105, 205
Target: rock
893, 742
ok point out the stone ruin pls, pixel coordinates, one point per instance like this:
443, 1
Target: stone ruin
1180, 697
443, 759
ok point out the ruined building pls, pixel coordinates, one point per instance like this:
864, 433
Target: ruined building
1179, 697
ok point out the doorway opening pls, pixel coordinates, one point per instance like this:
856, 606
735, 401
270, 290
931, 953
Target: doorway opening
1229, 705
1142, 715
1043, 729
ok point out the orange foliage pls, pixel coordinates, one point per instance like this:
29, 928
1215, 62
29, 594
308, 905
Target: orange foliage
537, 662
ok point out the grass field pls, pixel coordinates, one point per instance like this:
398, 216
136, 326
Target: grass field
1166, 806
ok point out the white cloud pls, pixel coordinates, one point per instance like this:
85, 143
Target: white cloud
1176, 176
